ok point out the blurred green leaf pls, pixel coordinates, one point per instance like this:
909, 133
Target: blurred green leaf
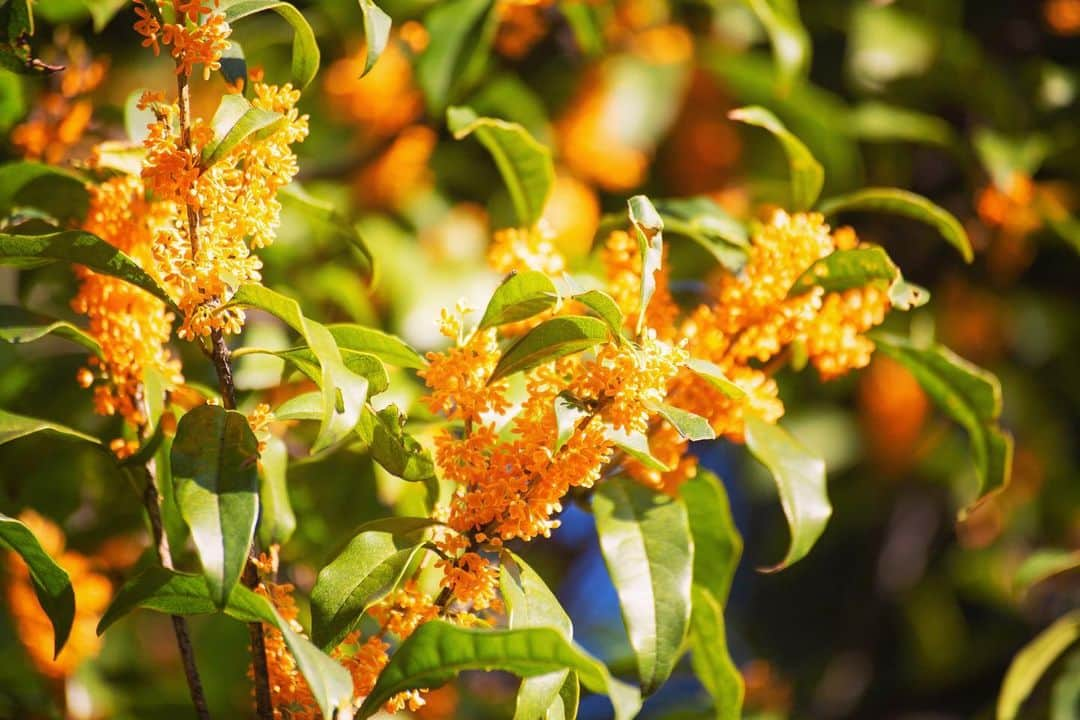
1042, 565
875, 121
702, 220
305, 51
525, 165
376, 33
1032, 662
908, 204
1006, 157
800, 480
457, 31
549, 340
57, 191
369, 567
646, 543
277, 521
51, 583
807, 175
328, 222
790, 41
214, 467
888, 43
519, 297
438, 651
103, 11
18, 325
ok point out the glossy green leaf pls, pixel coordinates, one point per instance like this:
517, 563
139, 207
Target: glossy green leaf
717, 544
807, 175
800, 481
845, 269
715, 377
703, 221
51, 583
569, 413
790, 42
604, 307
908, 204
968, 394
344, 392
635, 445
459, 33
59, 192
13, 427
529, 603
646, 543
710, 658
388, 348
305, 51
156, 588
397, 451
1029, 665
376, 33
80, 248
363, 364
649, 230
330, 683
519, 297
236, 121
549, 340
1044, 564
329, 223
525, 165
369, 567
18, 325
690, 426
214, 466
277, 522
438, 651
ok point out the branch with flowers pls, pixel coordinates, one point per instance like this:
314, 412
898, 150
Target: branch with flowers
584, 380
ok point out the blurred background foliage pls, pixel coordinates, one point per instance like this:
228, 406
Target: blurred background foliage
901, 611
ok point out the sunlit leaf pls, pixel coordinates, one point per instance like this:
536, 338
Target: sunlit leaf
706, 223
1029, 665
1044, 564
277, 522
305, 51
717, 544
376, 33
636, 446
790, 41
549, 340
236, 121
649, 230
690, 426
604, 307
519, 297
388, 348
710, 658
13, 427
807, 175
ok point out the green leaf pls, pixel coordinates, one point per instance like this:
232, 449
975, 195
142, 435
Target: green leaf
646, 543
519, 297
908, 204
717, 545
236, 121
969, 395
715, 377
344, 392
363, 364
369, 567
789, 39
649, 228
565, 706
52, 586
56, 191
376, 33
1005, 157
80, 248
330, 683
458, 32
102, 11
845, 269
305, 51
398, 452
568, 413
307, 406
13, 427
604, 307
636, 445
529, 603
277, 522
1033, 661
525, 164
388, 348
214, 467
800, 480
166, 591
549, 340
710, 658
18, 325
875, 121
329, 223
438, 651
703, 221
807, 175
690, 425
1044, 564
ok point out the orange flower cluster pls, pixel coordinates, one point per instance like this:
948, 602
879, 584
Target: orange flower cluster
526, 249
131, 325
235, 203
92, 595
289, 690
194, 44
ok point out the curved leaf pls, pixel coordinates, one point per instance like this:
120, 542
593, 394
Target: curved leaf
235, 121
908, 204
519, 297
649, 228
1044, 564
636, 445
711, 373
549, 340
214, 467
369, 567
305, 51
166, 591
525, 165
388, 348
969, 395
702, 220
690, 426
1031, 662
363, 364
789, 39
277, 521
807, 175
18, 325
800, 480
710, 658
397, 451
51, 583
646, 543
324, 219
59, 192
717, 544
376, 33
13, 427
438, 651
80, 248
605, 308
845, 269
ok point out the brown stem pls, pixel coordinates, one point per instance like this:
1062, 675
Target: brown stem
264, 703
152, 502
219, 354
